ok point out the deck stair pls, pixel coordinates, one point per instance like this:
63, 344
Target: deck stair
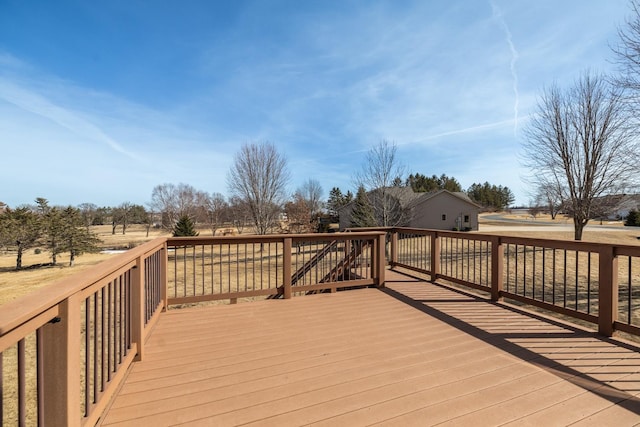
299, 274
347, 262
337, 273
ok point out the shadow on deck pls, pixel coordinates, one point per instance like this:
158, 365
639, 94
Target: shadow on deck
414, 353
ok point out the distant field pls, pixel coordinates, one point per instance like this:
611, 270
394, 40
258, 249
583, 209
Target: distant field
561, 228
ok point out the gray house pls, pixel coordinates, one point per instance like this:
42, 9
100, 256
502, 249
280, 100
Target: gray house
618, 206
440, 210
444, 210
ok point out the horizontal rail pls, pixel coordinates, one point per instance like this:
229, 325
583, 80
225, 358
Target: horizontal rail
229, 268
69, 345
66, 349
594, 282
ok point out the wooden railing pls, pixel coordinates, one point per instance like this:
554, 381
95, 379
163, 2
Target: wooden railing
71, 343
65, 350
594, 282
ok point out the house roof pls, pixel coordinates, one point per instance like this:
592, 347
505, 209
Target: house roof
409, 198
405, 195
424, 197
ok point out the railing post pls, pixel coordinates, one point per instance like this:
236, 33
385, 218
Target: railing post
607, 290
164, 283
138, 307
380, 259
497, 268
435, 256
61, 366
394, 248
286, 267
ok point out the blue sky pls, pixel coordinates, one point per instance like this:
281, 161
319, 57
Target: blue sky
102, 101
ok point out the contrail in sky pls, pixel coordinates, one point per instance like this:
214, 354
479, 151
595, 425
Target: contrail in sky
497, 13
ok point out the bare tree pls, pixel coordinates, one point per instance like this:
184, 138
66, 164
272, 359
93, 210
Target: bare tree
378, 175
122, 215
548, 197
163, 201
215, 209
298, 215
535, 210
311, 192
579, 142
238, 213
627, 53
175, 201
259, 177
88, 212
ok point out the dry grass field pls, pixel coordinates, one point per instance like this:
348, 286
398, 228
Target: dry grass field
37, 273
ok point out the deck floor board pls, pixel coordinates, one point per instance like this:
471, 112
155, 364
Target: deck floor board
413, 354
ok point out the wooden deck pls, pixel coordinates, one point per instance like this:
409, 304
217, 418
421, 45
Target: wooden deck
413, 354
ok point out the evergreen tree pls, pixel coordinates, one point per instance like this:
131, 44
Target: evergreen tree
337, 200
184, 227
633, 219
423, 184
76, 238
53, 228
491, 197
362, 214
19, 228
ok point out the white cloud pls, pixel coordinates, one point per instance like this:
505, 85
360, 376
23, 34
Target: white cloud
33, 102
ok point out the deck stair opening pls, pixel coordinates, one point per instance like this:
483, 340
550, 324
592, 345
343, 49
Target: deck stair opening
338, 272
341, 268
311, 263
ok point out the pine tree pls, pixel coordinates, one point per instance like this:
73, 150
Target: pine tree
184, 227
20, 228
76, 238
362, 214
337, 200
53, 224
633, 219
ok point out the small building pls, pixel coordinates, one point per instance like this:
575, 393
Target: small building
440, 210
444, 210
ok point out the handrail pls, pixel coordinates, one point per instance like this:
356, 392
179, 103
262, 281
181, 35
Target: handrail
88, 329
18, 311
518, 268
109, 309
225, 268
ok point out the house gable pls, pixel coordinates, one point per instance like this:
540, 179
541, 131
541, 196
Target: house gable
445, 210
